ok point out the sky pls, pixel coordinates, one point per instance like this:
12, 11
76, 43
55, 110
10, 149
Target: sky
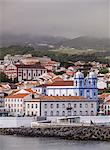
67, 18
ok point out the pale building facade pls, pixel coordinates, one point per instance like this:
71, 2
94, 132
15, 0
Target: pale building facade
30, 72
80, 86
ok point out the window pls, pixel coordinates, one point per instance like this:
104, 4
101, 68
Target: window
92, 113
81, 93
29, 74
80, 105
86, 105
69, 113
36, 105
28, 105
24, 74
63, 105
94, 94
80, 83
51, 113
74, 105
32, 106
45, 105
63, 113
92, 105
94, 83
51, 105
32, 113
81, 113
57, 106
45, 113
86, 112
57, 113
75, 113
69, 104
76, 83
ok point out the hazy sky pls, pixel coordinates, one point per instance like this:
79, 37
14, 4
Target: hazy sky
69, 18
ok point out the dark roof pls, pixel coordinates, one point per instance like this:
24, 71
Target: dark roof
30, 66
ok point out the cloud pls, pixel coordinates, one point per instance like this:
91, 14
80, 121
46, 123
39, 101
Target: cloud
67, 18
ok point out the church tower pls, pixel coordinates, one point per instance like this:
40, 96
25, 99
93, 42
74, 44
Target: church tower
91, 90
79, 84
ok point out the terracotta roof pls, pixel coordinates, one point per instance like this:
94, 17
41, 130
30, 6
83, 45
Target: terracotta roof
31, 91
63, 98
62, 83
104, 95
108, 101
17, 95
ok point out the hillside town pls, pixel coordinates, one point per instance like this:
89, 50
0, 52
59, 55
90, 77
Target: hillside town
40, 87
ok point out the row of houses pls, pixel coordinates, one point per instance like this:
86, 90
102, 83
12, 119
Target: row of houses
77, 97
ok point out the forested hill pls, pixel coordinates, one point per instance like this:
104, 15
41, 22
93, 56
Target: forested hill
87, 43
95, 55
43, 42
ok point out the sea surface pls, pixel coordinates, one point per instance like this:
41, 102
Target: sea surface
24, 143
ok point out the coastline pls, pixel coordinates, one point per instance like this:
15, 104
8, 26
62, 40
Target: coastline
101, 133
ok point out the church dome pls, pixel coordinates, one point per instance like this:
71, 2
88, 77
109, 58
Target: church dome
92, 75
79, 75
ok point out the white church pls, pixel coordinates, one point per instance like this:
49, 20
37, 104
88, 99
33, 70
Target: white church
80, 86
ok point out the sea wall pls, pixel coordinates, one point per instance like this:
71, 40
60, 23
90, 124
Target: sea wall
65, 132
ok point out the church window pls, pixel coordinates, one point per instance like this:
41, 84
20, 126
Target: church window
80, 83
76, 83
94, 83
81, 93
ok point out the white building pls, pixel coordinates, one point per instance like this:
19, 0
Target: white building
58, 106
30, 72
15, 102
80, 86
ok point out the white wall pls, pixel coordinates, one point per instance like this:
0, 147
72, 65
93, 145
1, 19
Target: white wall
9, 122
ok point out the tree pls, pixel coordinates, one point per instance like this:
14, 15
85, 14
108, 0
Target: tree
104, 71
3, 77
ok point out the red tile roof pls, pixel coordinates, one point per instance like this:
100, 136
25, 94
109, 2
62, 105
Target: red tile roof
62, 98
61, 83
17, 95
104, 95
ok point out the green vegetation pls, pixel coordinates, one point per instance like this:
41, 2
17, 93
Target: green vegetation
61, 55
104, 70
3, 77
59, 73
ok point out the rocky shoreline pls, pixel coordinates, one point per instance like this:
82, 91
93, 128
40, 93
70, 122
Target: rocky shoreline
66, 132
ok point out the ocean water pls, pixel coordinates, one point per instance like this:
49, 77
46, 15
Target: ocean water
27, 143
